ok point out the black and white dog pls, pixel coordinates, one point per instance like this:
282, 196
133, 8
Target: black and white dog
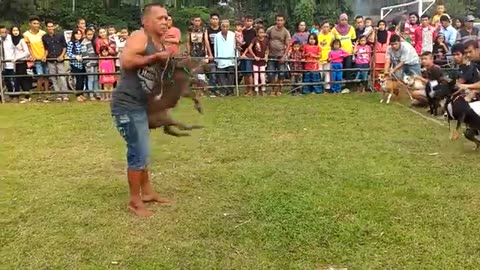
437, 91
461, 111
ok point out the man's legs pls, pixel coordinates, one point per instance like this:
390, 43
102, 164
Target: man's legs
212, 78
133, 126
41, 69
62, 80
271, 69
247, 69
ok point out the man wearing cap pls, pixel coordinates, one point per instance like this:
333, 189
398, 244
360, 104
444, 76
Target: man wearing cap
469, 32
447, 30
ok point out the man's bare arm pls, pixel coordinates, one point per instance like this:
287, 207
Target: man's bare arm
473, 86
133, 55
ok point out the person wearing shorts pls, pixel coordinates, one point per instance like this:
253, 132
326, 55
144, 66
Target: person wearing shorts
279, 40
142, 56
246, 61
33, 38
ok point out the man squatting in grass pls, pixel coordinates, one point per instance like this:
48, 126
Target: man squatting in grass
472, 53
143, 51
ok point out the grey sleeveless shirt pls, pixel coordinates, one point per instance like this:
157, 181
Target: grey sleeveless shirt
134, 85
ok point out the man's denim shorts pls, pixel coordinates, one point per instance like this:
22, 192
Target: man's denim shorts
41, 67
132, 124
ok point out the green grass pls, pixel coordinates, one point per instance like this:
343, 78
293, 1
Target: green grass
270, 183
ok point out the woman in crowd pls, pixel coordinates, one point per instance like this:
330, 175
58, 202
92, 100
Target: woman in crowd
440, 51
103, 40
22, 84
301, 35
346, 34
75, 50
381, 45
411, 26
91, 64
458, 24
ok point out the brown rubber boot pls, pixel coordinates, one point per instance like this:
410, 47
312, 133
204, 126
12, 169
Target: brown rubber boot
135, 203
148, 193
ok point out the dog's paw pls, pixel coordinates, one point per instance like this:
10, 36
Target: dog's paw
381, 100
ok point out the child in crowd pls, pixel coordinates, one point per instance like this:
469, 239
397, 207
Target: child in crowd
315, 28
325, 39
106, 66
311, 53
369, 33
112, 35
239, 33
259, 50
362, 53
335, 57
120, 44
91, 64
438, 14
440, 50
296, 65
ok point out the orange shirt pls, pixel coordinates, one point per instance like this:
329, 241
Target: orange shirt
311, 63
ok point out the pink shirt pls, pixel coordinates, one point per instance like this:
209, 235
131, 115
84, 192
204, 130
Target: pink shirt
336, 56
173, 33
311, 62
363, 54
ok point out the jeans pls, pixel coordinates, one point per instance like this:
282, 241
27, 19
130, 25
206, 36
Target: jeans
337, 76
92, 81
132, 124
9, 82
40, 67
276, 69
347, 63
80, 80
312, 77
212, 77
226, 79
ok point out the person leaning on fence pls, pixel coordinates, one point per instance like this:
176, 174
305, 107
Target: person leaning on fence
380, 49
77, 67
8, 52
246, 64
346, 34
335, 57
197, 41
296, 59
258, 48
143, 55
279, 41
212, 29
33, 38
225, 53
22, 54
325, 39
91, 64
401, 57
55, 50
363, 54
311, 53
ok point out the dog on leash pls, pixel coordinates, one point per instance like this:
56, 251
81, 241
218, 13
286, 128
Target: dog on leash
461, 111
436, 92
389, 87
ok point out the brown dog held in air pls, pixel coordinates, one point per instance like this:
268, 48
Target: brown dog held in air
177, 79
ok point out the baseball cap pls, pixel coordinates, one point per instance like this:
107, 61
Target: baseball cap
470, 18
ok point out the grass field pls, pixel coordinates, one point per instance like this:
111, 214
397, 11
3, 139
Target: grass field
270, 183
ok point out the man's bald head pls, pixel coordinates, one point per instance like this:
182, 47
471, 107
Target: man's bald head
154, 18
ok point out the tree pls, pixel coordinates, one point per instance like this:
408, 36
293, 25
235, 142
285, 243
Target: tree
16, 10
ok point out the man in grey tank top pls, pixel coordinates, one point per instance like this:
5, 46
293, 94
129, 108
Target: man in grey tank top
143, 51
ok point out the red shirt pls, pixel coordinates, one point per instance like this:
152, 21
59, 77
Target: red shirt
311, 63
296, 57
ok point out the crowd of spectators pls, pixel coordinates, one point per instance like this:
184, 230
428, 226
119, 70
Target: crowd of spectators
316, 59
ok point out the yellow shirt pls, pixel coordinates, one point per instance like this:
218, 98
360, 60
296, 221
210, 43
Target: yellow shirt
324, 42
346, 40
36, 44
